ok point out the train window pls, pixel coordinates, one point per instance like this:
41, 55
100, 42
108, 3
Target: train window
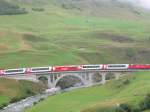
14, 71
116, 65
40, 69
91, 66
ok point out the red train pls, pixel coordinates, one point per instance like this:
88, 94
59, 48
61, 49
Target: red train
139, 66
66, 68
75, 68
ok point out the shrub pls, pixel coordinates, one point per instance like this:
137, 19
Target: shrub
145, 104
149, 39
136, 109
130, 52
14, 99
7, 8
127, 108
126, 82
110, 76
38, 9
3, 105
30, 92
41, 99
123, 83
35, 103
124, 108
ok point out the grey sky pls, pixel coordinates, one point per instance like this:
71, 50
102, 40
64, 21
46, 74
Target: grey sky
142, 3
145, 3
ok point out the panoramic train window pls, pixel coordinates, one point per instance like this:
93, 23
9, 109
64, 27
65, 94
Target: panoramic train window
91, 66
38, 69
14, 71
116, 65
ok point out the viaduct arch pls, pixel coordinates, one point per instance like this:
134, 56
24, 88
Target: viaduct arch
85, 77
52, 79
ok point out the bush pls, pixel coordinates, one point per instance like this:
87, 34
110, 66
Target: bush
7, 8
127, 108
38, 9
110, 76
35, 103
30, 92
3, 105
123, 83
14, 99
126, 82
136, 109
124, 108
41, 99
145, 104
149, 39
130, 52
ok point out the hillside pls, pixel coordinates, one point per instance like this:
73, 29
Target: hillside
101, 8
12, 90
56, 33
130, 89
7, 8
60, 32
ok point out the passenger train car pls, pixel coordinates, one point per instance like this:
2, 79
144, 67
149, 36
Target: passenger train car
14, 71
117, 66
91, 67
68, 68
105, 67
39, 69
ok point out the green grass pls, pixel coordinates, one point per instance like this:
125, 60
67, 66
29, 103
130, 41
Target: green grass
59, 36
98, 97
4, 99
10, 89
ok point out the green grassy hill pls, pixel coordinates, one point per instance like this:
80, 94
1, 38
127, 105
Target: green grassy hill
60, 35
58, 32
130, 89
7, 8
13, 90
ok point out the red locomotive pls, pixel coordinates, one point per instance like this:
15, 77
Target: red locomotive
139, 66
66, 68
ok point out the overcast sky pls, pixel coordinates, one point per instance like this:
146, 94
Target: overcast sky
145, 3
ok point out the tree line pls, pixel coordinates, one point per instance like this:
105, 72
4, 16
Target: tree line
7, 8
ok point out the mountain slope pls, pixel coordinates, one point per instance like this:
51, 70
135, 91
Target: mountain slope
7, 8
130, 89
58, 35
102, 8
13, 90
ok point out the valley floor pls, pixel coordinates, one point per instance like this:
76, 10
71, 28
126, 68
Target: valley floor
12, 90
102, 98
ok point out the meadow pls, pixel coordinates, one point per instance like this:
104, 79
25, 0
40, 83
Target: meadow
130, 89
13, 90
56, 36
62, 35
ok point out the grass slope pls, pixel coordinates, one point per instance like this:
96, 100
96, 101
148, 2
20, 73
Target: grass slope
64, 36
98, 98
13, 89
7, 8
